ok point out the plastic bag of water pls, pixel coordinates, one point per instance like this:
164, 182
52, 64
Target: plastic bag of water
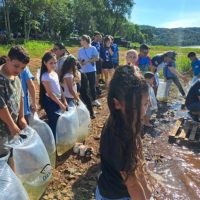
162, 93
84, 121
10, 186
31, 162
45, 133
66, 130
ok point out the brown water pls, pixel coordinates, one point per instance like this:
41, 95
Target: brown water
175, 167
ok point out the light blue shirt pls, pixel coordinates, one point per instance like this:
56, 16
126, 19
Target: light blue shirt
87, 54
24, 77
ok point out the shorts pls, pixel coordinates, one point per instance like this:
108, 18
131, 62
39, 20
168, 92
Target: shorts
98, 67
107, 65
115, 65
99, 197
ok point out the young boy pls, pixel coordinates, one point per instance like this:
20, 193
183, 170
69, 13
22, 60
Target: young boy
11, 96
195, 66
144, 62
28, 88
149, 77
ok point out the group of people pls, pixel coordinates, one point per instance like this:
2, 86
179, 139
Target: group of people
65, 79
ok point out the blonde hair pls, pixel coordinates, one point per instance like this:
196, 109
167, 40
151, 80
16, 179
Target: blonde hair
132, 51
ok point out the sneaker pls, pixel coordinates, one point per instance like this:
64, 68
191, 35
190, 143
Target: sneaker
92, 116
99, 91
101, 81
96, 103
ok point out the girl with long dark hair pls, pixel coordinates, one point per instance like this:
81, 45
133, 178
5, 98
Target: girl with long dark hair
51, 95
68, 76
123, 175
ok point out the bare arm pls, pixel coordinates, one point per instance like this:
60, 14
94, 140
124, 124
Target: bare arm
69, 83
111, 51
173, 70
31, 88
52, 96
199, 98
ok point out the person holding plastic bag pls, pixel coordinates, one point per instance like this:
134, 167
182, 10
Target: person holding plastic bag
149, 77
69, 76
11, 96
51, 94
28, 88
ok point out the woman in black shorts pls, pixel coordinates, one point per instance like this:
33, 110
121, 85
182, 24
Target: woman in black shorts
106, 53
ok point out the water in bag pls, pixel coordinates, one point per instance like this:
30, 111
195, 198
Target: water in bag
32, 162
10, 186
46, 134
162, 93
66, 130
84, 121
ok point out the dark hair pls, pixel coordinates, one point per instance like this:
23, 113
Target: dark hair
61, 46
148, 75
106, 39
96, 33
128, 87
47, 56
2, 60
191, 54
68, 66
144, 47
19, 53
86, 38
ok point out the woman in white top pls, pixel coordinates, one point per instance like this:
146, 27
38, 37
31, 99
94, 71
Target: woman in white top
51, 95
68, 78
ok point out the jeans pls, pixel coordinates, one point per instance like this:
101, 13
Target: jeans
91, 76
70, 102
51, 108
176, 81
84, 93
99, 197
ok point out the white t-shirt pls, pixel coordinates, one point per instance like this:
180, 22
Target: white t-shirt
67, 93
52, 78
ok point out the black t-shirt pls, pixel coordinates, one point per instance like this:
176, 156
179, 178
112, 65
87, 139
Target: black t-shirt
111, 184
157, 60
193, 94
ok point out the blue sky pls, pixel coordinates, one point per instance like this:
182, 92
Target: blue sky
167, 13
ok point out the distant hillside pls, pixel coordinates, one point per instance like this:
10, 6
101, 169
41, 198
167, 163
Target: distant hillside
172, 37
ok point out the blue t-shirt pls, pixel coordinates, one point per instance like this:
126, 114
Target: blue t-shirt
87, 54
115, 56
144, 64
24, 77
167, 72
97, 45
105, 54
196, 67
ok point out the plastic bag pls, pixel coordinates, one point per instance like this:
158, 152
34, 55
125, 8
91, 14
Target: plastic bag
45, 133
161, 93
10, 186
31, 162
66, 130
153, 99
84, 121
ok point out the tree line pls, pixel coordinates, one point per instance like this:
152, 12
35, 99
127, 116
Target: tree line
59, 19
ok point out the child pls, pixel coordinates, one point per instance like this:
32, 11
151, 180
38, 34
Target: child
144, 61
149, 77
123, 175
68, 75
115, 56
131, 60
106, 56
195, 66
11, 96
28, 87
51, 95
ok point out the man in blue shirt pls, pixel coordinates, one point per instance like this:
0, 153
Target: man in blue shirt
171, 74
97, 37
195, 66
27, 78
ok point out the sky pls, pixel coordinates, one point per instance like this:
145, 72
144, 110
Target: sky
166, 13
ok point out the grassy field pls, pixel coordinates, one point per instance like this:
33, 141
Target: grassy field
36, 50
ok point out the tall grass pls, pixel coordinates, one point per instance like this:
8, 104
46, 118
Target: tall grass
36, 49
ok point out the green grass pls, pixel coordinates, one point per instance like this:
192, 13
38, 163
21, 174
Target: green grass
37, 49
